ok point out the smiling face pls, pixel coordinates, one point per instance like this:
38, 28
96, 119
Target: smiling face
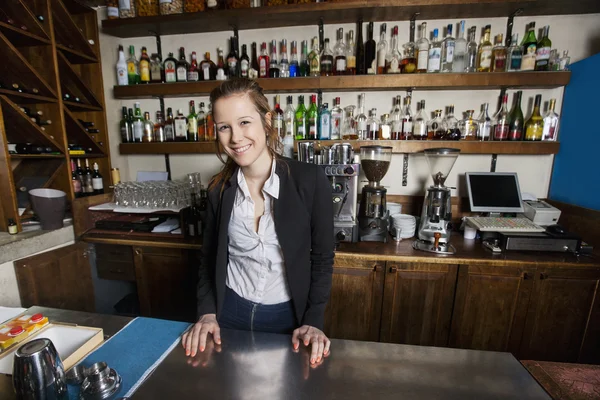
240, 129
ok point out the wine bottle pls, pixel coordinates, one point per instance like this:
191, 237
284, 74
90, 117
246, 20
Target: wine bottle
97, 184
515, 125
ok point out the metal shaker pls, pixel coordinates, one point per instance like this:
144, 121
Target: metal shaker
38, 372
306, 152
344, 153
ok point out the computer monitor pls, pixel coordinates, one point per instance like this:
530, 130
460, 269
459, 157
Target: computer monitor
494, 192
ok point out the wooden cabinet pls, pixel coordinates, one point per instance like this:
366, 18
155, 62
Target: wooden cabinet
60, 278
417, 306
490, 307
166, 283
559, 316
354, 308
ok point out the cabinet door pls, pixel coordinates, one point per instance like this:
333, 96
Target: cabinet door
490, 307
60, 278
354, 308
417, 305
561, 305
166, 283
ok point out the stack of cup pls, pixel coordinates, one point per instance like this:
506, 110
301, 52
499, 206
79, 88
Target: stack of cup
403, 226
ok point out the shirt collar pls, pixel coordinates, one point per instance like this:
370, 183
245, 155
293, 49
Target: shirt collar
271, 186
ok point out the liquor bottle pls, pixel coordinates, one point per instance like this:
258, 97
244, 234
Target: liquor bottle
284, 65
157, 74
288, 145
407, 120
498, 55
148, 135
351, 55
233, 59
221, 62
396, 119
409, 50
469, 129
361, 118
372, 125
169, 128
202, 134
193, 221
435, 130
125, 128
130, 119
385, 129
193, 75
370, 52
300, 116
304, 69
263, 62
210, 125
88, 187
534, 127
81, 177
339, 51
514, 55
159, 128
278, 118
273, 65
138, 124
294, 67
324, 125
253, 73
435, 54
337, 117
551, 119
382, 50
471, 51
459, 63
192, 124
244, 62
484, 52
170, 66
144, 67
314, 58
502, 121
180, 127
97, 184
327, 67
422, 49
133, 71
289, 119
360, 50
349, 126
208, 69
182, 66
312, 118
394, 59
122, 77
448, 47
75, 181
419, 131
13, 229
450, 125
529, 49
515, 125
543, 51
484, 124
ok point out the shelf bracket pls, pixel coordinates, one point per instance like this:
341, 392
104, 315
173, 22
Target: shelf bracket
493, 165
321, 34
158, 43
509, 26
405, 170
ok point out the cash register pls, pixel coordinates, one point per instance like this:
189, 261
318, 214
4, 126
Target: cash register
502, 224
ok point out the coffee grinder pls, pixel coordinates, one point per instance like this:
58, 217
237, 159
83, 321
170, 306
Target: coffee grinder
434, 230
373, 216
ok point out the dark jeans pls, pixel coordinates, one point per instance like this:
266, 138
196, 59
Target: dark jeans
241, 314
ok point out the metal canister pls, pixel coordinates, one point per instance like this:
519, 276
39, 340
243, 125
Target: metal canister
344, 154
306, 152
328, 155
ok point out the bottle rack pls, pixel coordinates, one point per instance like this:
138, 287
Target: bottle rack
57, 52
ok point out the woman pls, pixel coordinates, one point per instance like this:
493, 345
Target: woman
267, 253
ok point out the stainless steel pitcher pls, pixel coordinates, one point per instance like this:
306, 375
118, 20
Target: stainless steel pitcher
306, 152
344, 154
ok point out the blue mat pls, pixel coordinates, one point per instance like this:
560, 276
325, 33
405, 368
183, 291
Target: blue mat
134, 350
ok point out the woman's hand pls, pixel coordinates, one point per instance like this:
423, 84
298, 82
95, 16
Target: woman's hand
195, 338
310, 335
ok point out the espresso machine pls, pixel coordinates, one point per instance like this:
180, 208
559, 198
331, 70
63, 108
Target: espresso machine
373, 216
434, 229
343, 175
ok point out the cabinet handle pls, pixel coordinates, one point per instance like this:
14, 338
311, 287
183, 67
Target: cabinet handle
526, 275
543, 275
377, 268
393, 269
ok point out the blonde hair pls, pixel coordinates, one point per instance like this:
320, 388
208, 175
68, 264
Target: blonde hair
243, 86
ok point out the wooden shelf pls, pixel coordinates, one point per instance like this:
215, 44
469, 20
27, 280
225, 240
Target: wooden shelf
77, 134
80, 107
19, 37
34, 156
71, 80
70, 38
88, 155
399, 147
451, 81
76, 57
339, 13
22, 16
27, 98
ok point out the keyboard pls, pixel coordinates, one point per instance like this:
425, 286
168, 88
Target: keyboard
494, 224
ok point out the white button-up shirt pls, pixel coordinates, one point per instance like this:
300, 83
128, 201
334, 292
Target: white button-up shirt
256, 269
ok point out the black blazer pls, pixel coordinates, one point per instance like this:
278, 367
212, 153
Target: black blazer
303, 216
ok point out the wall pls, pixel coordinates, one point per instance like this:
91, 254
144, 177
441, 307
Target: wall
577, 33
575, 178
